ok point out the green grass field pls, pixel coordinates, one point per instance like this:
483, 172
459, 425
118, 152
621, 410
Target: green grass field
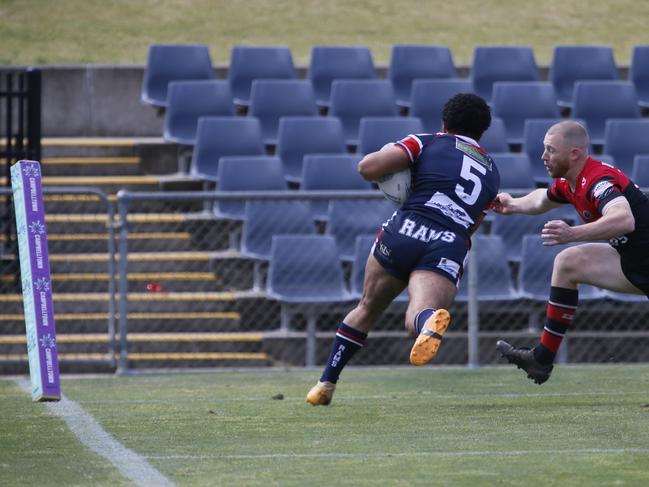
396, 427
120, 31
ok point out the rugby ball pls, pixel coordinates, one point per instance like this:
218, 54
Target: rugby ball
396, 186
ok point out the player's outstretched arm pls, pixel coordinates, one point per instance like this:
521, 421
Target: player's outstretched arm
533, 203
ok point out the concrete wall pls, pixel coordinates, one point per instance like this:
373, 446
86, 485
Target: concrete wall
104, 100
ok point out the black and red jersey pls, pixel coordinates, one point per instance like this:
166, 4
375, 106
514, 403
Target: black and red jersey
597, 184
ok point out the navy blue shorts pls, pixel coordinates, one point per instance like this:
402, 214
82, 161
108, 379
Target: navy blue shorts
410, 242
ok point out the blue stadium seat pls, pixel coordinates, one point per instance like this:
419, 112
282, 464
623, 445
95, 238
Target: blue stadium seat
305, 269
536, 271
173, 62
495, 281
217, 137
329, 63
409, 62
191, 100
512, 228
640, 172
362, 248
495, 139
624, 297
597, 101
265, 218
272, 99
624, 139
639, 73
516, 102
515, 170
575, 63
607, 158
248, 63
352, 100
298, 136
429, 97
501, 63
348, 218
375, 132
330, 172
247, 173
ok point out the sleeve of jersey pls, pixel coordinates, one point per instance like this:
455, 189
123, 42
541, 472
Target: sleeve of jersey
412, 145
555, 194
602, 191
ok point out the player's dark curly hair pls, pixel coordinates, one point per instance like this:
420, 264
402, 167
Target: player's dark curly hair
466, 114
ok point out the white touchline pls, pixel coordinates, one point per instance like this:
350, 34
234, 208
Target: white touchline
86, 428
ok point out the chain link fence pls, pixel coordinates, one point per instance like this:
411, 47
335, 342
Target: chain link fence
216, 270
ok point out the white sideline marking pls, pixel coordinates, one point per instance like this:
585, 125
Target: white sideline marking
90, 433
502, 453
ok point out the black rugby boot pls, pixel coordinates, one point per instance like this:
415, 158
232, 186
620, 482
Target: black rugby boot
524, 359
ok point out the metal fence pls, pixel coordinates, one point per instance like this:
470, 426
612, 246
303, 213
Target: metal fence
213, 255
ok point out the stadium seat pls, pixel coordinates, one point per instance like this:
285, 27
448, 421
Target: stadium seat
512, 228
515, 170
494, 276
639, 73
305, 269
536, 271
329, 63
330, 172
429, 96
265, 218
190, 100
624, 297
298, 136
597, 101
348, 218
501, 63
272, 99
362, 247
575, 63
494, 140
409, 62
247, 173
375, 132
515, 102
640, 172
352, 100
217, 137
607, 158
624, 139
248, 63
173, 62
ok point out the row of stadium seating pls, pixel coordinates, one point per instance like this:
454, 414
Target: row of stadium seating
220, 138
408, 62
290, 255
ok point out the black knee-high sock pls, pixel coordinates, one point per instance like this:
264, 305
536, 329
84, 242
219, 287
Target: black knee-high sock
560, 313
347, 342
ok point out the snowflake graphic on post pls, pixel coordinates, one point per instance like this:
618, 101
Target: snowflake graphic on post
37, 227
42, 284
31, 171
48, 341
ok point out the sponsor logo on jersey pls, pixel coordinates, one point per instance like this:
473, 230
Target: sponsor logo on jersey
617, 241
450, 209
602, 189
474, 153
384, 249
423, 233
450, 266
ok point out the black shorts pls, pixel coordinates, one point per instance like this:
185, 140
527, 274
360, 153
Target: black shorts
410, 242
636, 270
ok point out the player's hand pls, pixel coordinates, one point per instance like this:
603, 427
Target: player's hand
556, 232
502, 204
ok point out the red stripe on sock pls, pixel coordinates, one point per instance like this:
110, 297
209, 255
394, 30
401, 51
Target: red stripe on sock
562, 315
550, 341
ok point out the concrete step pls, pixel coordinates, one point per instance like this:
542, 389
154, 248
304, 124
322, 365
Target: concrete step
90, 146
91, 166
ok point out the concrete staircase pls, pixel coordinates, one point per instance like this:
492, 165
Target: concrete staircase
189, 295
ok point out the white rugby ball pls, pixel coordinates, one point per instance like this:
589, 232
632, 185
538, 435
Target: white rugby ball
396, 186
